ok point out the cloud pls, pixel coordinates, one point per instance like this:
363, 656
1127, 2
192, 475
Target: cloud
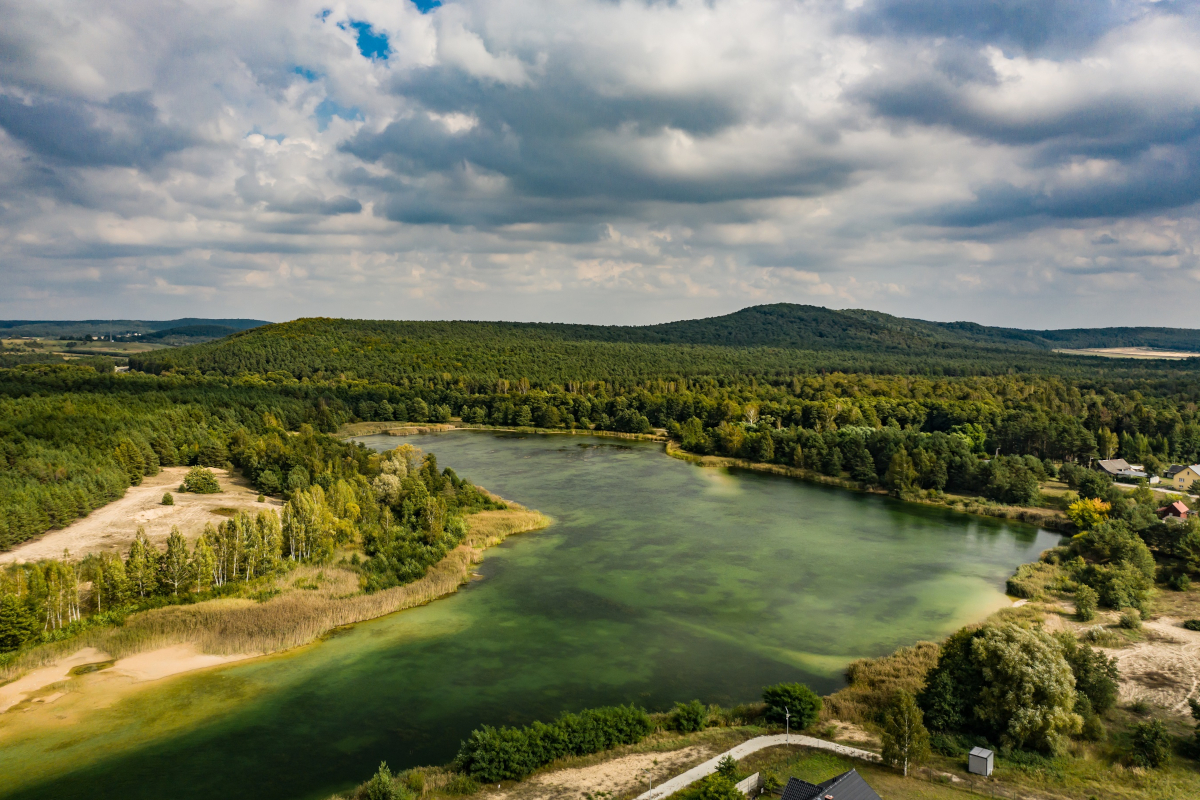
584, 159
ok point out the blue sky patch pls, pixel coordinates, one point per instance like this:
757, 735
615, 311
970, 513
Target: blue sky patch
328, 109
372, 44
425, 6
306, 73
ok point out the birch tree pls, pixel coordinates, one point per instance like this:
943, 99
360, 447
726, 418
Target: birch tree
905, 740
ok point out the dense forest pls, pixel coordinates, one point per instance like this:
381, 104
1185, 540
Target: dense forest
884, 401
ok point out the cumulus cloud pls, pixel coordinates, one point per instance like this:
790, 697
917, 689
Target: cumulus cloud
606, 161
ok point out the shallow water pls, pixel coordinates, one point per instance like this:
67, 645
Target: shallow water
659, 581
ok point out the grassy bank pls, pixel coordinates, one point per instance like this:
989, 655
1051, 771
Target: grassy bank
286, 610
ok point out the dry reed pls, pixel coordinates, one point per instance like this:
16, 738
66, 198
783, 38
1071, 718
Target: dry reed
874, 681
313, 601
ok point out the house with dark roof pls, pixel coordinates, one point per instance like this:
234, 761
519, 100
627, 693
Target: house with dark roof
847, 786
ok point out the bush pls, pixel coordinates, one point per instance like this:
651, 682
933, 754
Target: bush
261, 499
1151, 745
168, 500
1131, 620
803, 703
381, 787
496, 754
689, 717
1180, 582
200, 481
1085, 603
1192, 624
727, 768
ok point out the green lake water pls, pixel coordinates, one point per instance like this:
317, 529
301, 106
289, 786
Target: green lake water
659, 581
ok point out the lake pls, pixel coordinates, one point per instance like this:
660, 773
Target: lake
659, 581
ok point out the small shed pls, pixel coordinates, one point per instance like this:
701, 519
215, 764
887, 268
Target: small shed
979, 762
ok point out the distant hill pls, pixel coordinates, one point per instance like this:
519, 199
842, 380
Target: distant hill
763, 340
117, 327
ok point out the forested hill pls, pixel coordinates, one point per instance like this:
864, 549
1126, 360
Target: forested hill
188, 326
770, 340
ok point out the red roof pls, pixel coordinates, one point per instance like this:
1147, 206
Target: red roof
1176, 509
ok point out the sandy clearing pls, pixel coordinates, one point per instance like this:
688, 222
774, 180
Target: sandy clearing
112, 527
167, 661
140, 668
1130, 352
616, 776
1164, 669
18, 690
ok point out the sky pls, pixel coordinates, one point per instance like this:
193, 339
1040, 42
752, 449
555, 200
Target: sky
1032, 163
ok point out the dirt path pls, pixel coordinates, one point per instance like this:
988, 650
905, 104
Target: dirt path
746, 748
112, 527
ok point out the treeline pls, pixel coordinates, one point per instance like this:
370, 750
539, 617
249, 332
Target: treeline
72, 440
397, 511
762, 341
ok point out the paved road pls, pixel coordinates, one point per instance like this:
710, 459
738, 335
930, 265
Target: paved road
744, 749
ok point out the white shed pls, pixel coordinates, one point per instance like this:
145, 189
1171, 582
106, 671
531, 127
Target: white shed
979, 761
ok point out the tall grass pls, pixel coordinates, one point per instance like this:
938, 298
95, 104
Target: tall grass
873, 682
312, 600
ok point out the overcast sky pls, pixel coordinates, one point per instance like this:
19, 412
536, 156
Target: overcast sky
1024, 162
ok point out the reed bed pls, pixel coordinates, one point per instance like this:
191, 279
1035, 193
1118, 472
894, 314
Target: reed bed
313, 600
874, 681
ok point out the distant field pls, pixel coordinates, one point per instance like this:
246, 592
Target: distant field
81, 348
1131, 352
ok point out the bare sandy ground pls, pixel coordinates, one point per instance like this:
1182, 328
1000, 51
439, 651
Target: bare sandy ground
112, 527
614, 777
1131, 352
1164, 669
140, 668
23, 687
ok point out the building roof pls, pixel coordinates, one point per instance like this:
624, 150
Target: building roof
1176, 509
982, 752
847, 786
1174, 469
1113, 465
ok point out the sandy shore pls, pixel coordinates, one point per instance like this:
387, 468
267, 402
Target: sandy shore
112, 527
140, 668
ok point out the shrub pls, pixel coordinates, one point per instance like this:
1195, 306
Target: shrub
381, 787
1131, 620
1192, 624
1088, 513
200, 481
689, 717
1151, 745
1085, 603
803, 703
262, 498
1180, 582
1095, 676
496, 754
168, 500
727, 768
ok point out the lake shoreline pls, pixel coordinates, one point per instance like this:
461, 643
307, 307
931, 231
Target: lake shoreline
1050, 519
54, 662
